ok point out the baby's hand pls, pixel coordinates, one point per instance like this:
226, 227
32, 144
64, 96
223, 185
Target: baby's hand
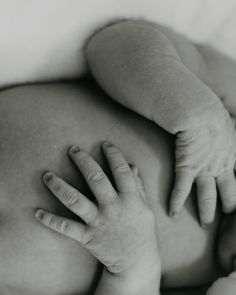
120, 230
207, 156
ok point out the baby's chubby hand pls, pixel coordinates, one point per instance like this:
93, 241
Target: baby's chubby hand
120, 230
206, 154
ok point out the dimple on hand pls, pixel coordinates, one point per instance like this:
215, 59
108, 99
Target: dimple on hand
206, 155
120, 230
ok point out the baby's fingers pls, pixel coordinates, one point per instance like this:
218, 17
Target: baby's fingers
74, 230
71, 198
207, 196
122, 174
227, 188
182, 188
97, 180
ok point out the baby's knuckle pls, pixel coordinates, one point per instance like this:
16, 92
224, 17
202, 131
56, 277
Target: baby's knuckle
71, 198
208, 170
178, 192
95, 175
96, 223
87, 238
122, 169
112, 150
90, 216
223, 176
51, 221
62, 226
206, 202
111, 195
226, 165
140, 187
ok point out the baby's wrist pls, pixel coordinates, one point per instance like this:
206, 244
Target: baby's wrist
144, 273
209, 124
139, 277
135, 281
214, 117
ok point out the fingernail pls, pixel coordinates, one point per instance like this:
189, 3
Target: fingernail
107, 144
39, 214
204, 225
48, 176
173, 214
74, 149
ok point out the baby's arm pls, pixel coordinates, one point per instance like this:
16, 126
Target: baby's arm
137, 64
221, 76
119, 230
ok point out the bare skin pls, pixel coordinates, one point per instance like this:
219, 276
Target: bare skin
37, 123
36, 128
140, 67
119, 231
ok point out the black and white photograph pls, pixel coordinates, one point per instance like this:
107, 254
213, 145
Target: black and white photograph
118, 147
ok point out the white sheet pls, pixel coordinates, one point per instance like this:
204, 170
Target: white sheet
43, 40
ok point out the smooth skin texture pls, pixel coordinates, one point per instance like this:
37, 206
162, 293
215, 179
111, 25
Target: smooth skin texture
48, 128
131, 261
119, 231
37, 124
139, 66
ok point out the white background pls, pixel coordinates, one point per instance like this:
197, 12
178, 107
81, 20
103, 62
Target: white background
43, 40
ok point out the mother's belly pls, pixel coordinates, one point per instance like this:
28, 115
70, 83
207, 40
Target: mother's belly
37, 125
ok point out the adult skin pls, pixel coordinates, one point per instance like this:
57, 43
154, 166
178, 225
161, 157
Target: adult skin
37, 125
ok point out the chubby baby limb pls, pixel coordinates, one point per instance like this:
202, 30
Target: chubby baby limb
119, 231
138, 66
